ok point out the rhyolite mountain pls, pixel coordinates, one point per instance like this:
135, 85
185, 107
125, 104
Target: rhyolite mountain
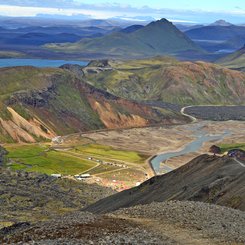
235, 60
156, 38
211, 179
38, 104
168, 80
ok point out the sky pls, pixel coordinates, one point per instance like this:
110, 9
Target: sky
189, 11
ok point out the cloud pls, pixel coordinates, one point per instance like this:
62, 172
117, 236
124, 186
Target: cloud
42, 3
110, 10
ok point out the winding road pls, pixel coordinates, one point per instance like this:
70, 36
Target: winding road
182, 111
240, 163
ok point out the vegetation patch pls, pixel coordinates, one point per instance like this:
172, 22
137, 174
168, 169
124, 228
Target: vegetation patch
227, 147
108, 152
38, 158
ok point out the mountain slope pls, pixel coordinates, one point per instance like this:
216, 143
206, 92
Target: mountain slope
211, 179
235, 60
32, 197
41, 103
168, 80
158, 37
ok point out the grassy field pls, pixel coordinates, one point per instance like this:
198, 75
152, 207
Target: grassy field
227, 147
37, 158
108, 153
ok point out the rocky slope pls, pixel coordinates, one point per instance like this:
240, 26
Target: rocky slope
211, 179
32, 197
41, 103
158, 223
166, 79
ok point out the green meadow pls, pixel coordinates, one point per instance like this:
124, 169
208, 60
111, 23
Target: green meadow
38, 158
103, 152
227, 147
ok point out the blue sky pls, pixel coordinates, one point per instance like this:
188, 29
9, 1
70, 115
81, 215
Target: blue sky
192, 11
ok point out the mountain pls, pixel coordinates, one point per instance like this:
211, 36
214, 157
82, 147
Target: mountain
132, 28
39, 104
168, 80
211, 179
218, 38
39, 35
38, 39
160, 37
221, 23
235, 60
183, 27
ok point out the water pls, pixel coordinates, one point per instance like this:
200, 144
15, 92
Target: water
38, 62
201, 137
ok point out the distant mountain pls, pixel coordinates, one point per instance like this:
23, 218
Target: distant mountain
39, 35
218, 38
235, 60
168, 80
38, 104
160, 37
42, 38
132, 28
211, 179
184, 28
221, 23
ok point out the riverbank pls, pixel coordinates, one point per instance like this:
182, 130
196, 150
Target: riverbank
201, 138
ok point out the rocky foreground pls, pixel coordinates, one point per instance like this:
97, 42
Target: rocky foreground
31, 197
171, 222
182, 207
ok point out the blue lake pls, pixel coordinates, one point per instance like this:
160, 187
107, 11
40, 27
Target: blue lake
38, 62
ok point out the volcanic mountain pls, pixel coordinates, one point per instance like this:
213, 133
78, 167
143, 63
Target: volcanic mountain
42, 103
160, 37
166, 79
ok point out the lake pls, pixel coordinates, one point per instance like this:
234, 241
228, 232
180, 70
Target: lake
38, 62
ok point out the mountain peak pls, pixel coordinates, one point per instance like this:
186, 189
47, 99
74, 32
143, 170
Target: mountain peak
221, 23
163, 20
160, 22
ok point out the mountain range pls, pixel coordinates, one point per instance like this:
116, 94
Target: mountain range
166, 79
39, 104
218, 37
156, 38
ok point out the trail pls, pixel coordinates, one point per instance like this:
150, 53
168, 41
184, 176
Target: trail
240, 163
182, 111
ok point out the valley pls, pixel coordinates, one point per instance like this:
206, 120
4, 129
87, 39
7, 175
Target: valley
125, 130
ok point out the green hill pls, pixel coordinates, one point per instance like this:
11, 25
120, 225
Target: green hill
235, 60
168, 80
38, 104
160, 37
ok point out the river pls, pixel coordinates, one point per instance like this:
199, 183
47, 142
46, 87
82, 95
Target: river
38, 62
201, 136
